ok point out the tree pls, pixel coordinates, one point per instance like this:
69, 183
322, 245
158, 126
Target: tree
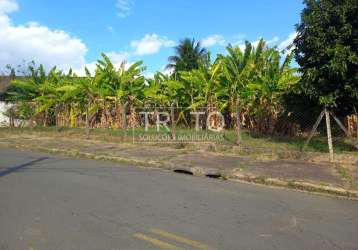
273, 79
189, 55
162, 90
327, 51
82, 92
36, 90
238, 72
202, 86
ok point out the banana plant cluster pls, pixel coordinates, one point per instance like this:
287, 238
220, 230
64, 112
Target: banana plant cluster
257, 75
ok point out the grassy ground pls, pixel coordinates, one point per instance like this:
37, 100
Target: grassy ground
227, 138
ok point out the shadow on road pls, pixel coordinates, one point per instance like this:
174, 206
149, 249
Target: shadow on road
10, 170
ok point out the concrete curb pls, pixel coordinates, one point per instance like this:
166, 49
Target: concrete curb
298, 185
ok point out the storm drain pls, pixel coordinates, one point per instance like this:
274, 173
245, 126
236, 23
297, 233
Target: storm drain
183, 171
214, 176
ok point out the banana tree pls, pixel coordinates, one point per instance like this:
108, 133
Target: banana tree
239, 69
264, 94
162, 90
82, 93
38, 91
49, 100
130, 89
204, 85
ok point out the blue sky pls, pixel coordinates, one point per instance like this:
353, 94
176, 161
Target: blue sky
74, 33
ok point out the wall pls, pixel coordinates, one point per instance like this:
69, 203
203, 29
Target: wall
4, 120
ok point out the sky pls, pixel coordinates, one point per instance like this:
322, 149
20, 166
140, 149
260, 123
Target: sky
73, 34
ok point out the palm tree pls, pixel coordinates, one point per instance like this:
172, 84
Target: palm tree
189, 55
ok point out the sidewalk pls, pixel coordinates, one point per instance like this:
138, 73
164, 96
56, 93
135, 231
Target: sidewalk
317, 177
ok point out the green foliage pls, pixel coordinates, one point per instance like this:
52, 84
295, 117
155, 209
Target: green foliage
22, 111
259, 75
162, 90
327, 51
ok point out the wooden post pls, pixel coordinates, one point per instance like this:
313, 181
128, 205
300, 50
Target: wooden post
329, 135
313, 129
355, 119
172, 111
350, 130
238, 122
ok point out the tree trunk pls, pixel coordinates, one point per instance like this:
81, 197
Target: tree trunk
238, 123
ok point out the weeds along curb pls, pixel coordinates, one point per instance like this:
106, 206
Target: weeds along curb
78, 154
298, 185
223, 175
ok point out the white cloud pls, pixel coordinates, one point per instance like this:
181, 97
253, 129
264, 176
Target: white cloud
124, 7
80, 71
242, 45
168, 72
117, 58
213, 40
110, 29
8, 6
274, 40
35, 42
149, 75
289, 41
238, 39
32, 41
150, 44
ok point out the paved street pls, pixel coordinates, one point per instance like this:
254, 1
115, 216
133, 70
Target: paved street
52, 202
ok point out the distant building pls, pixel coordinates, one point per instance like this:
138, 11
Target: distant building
4, 84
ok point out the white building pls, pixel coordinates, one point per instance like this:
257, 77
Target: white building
4, 84
4, 120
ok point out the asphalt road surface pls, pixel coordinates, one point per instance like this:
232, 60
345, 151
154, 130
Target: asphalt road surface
53, 202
